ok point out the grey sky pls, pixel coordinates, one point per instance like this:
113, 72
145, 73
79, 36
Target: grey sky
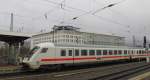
131, 17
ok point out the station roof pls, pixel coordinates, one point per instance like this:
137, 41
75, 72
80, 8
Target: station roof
13, 36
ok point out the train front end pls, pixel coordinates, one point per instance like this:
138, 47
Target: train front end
29, 61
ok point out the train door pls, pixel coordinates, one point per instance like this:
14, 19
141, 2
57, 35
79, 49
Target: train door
76, 56
98, 55
71, 55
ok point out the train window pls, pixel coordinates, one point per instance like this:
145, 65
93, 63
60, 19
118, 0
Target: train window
104, 52
128, 51
83, 52
125, 51
119, 52
63, 52
44, 50
110, 52
70, 52
137, 52
35, 49
140, 52
98, 52
76, 52
115, 52
132, 52
91, 52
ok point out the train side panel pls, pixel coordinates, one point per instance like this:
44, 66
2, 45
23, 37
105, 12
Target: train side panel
47, 57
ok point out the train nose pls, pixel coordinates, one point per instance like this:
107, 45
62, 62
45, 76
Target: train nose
23, 60
29, 64
25, 66
23, 63
26, 59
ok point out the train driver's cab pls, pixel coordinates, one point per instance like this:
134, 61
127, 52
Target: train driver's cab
34, 50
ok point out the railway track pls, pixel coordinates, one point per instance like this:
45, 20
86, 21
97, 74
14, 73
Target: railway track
111, 72
122, 74
20, 72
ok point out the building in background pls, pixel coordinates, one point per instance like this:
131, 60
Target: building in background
68, 35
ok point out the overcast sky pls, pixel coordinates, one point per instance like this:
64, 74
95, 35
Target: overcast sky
128, 18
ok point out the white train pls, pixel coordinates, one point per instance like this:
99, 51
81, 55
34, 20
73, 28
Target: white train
47, 54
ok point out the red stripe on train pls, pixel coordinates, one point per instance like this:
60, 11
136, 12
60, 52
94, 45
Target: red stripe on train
81, 58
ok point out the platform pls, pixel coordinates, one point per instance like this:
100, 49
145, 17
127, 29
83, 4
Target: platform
8, 68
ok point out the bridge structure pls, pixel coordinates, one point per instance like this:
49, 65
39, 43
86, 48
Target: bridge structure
15, 40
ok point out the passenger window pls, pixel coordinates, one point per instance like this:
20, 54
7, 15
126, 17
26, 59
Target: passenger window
76, 52
70, 52
83, 52
143, 52
98, 52
115, 52
91, 52
110, 52
125, 51
132, 52
63, 52
128, 51
104, 52
119, 52
137, 52
44, 50
140, 52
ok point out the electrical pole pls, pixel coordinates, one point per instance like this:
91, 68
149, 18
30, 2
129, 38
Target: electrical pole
134, 41
144, 43
11, 24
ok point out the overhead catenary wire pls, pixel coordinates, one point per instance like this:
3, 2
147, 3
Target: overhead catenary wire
45, 14
115, 22
105, 19
124, 16
58, 6
114, 11
89, 12
118, 13
108, 6
85, 12
66, 6
93, 13
28, 17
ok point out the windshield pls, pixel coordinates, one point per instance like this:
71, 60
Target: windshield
35, 49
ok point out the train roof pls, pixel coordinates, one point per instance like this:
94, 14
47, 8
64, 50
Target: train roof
48, 44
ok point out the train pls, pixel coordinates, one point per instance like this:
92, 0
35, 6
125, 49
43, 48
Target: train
50, 55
